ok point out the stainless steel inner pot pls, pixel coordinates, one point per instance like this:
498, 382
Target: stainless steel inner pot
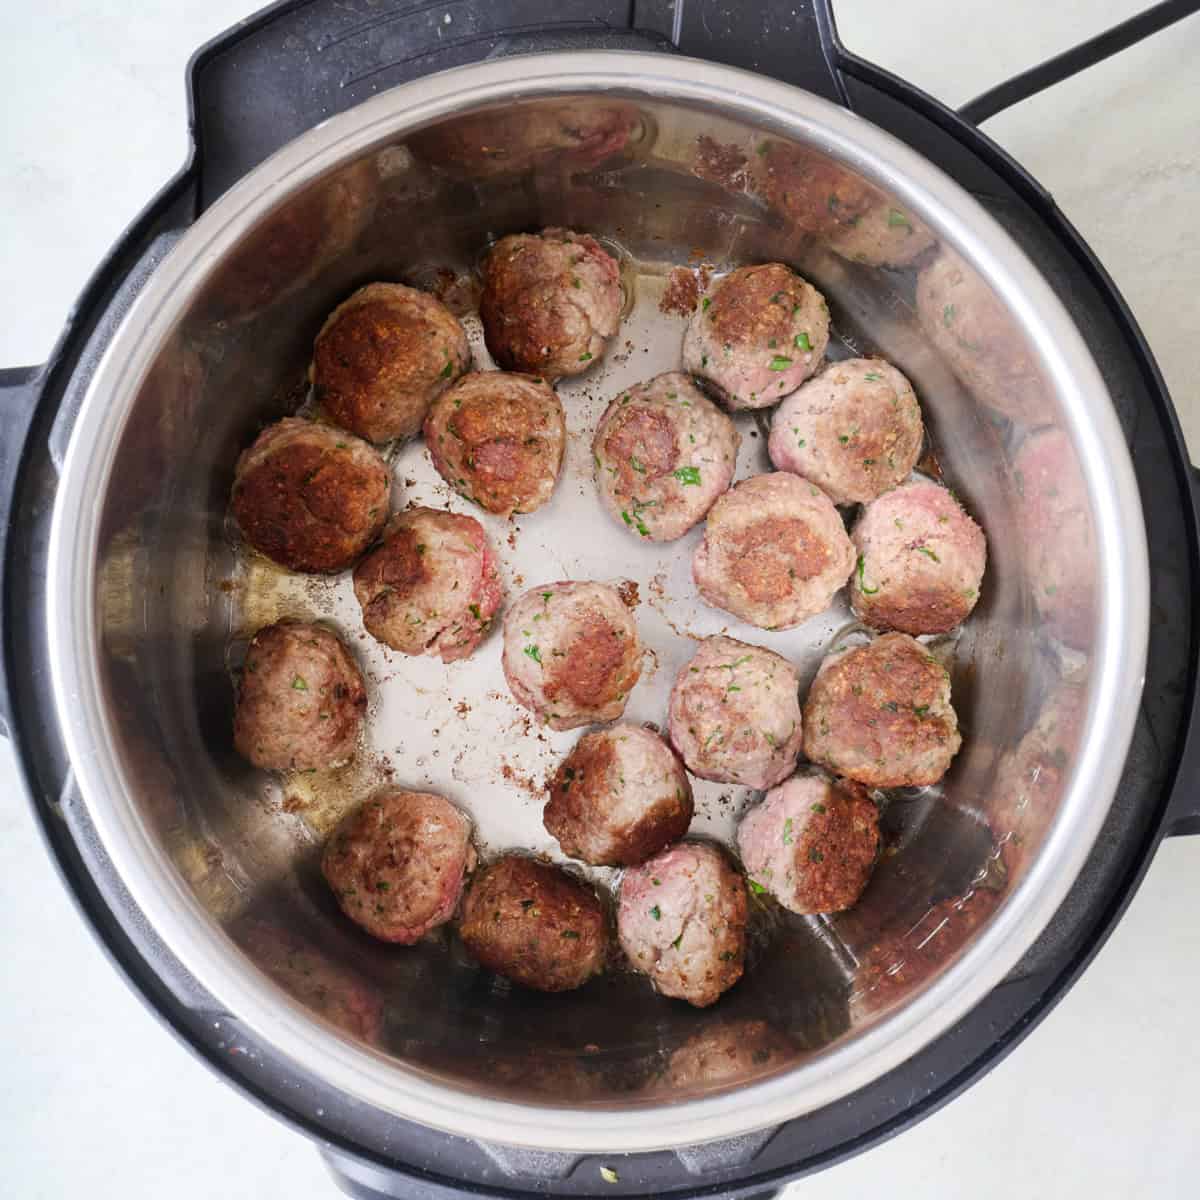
151, 602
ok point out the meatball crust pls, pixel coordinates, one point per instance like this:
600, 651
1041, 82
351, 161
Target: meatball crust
1054, 518
396, 863
620, 796
774, 552
920, 561
309, 497
880, 714
663, 453
550, 302
681, 920
383, 356
301, 701
571, 653
812, 843
757, 335
431, 586
533, 923
735, 714
855, 430
497, 438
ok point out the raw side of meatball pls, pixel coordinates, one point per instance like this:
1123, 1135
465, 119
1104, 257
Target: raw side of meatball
571, 653
301, 701
855, 430
383, 356
811, 843
757, 335
735, 714
920, 561
309, 497
497, 439
681, 920
663, 452
1055, 521
620, 796
396, 863
550, 302
880, 714
774, 552
534, 924
431, 586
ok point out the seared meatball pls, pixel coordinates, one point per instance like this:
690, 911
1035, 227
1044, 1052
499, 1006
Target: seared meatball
728, 1052
383, 356
301, 701
681, 920
812, 843
920, 561
498, 439
966, 322
774, 552
550, 302
735, 714
396, 863
618, 797
855, 430
431, 585
309, 497
1060, 549
571, 653
535, 924
880, 714
663, 452
758, 334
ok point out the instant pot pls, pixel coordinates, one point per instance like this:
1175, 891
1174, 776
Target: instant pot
335, 144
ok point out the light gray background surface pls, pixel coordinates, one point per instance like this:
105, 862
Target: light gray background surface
1100, 1101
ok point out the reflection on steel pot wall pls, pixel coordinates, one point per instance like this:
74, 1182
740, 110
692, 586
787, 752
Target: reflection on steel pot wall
684, 177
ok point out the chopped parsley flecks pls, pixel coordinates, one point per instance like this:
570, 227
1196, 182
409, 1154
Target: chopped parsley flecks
862, 583
873, 376
535, 653
756, 887
780, 362
802, 342
688, 476
656, 912
948, 314
925, 550
299, 684
897, 218
787, 832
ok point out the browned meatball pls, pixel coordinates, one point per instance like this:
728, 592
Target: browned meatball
309, 497
811, 843
618, 797
431, 586
301, 701
383, 356
396, 863
497, 438
880, 714
550, 302
535, 924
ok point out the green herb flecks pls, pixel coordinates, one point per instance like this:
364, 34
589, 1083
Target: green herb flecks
948, 314
535, 653
656, 913
897, 219
780, 362
756, 887
448, 369
299, 684
802, 342
787, 832
688, 476
637, 464
873, 376
925, 550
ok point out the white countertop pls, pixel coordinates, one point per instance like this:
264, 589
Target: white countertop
1101, 1100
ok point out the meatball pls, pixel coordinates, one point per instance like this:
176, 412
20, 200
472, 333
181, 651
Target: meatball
774, 552
497, 439
301, 701
431, 586
396, 863
535, 924
812, 843
980, 340
571, 653
663, 452
920, 561
550, 302
855, 430
758, 334
309, 497
880, 714
620, 796
735, 714
681, 919
1054, 518
383, 356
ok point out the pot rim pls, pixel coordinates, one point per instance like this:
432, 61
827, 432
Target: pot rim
372, 1077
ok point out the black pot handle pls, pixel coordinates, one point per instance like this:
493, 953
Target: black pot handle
20, 388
